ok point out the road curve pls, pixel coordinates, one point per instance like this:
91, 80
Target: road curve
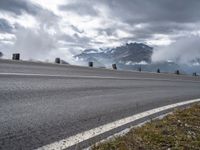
42, 103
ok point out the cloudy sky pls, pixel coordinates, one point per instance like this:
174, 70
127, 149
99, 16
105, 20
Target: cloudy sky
45, 29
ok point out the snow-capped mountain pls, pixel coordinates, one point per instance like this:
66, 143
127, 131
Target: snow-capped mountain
133, 52
133, 56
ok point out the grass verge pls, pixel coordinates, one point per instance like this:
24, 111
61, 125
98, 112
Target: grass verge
177, 131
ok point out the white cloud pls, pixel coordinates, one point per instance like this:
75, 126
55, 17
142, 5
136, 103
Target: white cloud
160, 40
34, 43
182, 51
7, 36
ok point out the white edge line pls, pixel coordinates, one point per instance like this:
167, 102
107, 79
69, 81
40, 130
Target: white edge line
94, 77
80, 137
125, 131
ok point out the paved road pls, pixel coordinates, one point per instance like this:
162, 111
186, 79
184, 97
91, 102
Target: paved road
36, 110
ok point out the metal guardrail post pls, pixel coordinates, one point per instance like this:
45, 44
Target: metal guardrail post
140, 69
195, 74
177, 72
90, 64
16, 56
114, 66
57, 61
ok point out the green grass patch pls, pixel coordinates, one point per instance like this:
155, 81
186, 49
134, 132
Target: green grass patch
177, 131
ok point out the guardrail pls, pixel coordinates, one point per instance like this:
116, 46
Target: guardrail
16, 56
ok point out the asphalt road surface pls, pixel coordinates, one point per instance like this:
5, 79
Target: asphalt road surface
42, 103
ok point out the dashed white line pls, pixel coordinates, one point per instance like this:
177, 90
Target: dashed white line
73, 140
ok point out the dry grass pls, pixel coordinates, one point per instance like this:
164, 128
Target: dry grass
177, 131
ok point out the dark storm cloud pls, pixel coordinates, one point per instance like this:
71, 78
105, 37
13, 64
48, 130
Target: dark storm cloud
77, 29
141, 11
158, 16
110, 22
81, 8
75, 39
107, 31
18, 6
149, 30
137, 11
5, 26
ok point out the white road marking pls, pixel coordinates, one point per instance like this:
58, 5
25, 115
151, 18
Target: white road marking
73, 140
93, 77
125, 131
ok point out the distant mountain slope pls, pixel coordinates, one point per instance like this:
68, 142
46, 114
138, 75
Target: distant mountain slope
135, 52
133, 56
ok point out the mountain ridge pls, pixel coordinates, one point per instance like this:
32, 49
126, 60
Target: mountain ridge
135, 52
132, 56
